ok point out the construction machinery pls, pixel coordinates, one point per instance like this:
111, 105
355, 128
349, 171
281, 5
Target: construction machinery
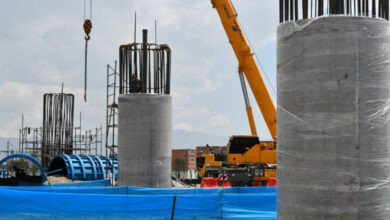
249, 161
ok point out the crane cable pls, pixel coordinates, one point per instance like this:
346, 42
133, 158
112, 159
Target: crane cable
87, 29
258, 60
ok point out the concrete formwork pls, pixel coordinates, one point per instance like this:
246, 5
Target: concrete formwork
333, 118
145, 130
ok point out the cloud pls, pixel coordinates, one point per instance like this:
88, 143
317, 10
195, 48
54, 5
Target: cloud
26, 98
219, 120
183, 126
183, 112
195, 80
42, 45
45, 71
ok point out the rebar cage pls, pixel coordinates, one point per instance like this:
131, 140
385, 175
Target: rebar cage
147, 63
291, 10
57, 129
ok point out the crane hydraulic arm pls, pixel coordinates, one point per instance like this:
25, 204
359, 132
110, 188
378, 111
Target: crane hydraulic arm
247, 65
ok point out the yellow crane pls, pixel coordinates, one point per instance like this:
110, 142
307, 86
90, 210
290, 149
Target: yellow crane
248, 160
247, 66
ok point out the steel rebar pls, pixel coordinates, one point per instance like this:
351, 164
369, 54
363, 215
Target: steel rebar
289, 10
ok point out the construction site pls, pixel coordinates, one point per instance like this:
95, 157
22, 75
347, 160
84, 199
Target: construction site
310, 140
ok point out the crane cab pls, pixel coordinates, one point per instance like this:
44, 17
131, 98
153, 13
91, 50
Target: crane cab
249, 149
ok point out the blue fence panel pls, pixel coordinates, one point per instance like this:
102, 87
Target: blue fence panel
136, 203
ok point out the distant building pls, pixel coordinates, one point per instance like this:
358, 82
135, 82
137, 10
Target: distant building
184, 163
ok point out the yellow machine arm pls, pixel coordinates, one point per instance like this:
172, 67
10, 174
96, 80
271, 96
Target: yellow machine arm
247, 65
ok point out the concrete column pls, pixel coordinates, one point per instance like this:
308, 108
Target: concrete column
145, 131
334, 119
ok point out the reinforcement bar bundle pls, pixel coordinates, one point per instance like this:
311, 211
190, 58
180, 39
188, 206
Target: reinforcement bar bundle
58, 118
291, 10
148, 64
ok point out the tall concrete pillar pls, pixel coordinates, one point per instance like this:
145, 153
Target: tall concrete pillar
334, 119
145, 130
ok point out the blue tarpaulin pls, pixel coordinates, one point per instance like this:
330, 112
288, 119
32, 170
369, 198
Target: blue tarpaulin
136, 203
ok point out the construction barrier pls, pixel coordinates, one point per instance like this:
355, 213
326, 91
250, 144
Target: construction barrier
137, 203
209, 182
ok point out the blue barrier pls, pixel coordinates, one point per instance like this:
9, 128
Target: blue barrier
28, 157
137, 203
81, 167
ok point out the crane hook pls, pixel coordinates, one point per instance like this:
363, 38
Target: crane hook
87, 27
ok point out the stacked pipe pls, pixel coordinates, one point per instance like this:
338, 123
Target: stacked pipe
292, 10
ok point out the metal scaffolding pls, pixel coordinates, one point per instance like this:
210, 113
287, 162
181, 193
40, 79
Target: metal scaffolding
112, 111
84, 142
8, 151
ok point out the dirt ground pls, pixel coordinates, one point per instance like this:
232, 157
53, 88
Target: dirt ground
59, 179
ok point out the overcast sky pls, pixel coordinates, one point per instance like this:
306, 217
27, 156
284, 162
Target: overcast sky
42, 45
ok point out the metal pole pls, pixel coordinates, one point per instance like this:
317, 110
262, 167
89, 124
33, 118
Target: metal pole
247, 105
286, 5
21, 150
135, 47
107, 92
305, 11
281, 20
144, 59
115, 109
101, 139
155, 31
7, 147
320, 7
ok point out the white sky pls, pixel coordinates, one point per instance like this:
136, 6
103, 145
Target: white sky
42, 45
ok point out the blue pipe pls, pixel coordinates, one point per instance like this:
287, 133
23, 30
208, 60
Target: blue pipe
28, 157
81, 167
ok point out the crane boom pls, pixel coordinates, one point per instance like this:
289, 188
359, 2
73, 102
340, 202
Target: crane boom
246, 62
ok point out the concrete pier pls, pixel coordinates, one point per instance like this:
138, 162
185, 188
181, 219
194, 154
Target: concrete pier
145, 130
334, 119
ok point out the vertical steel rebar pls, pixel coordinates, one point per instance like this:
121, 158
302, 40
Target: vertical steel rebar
305, 8
359, 11
320, 7
286, 10
281, 10
144, 67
